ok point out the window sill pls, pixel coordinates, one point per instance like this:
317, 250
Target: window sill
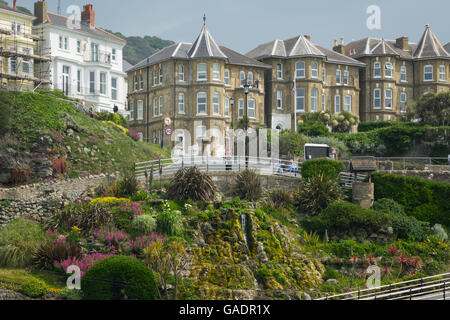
201, 114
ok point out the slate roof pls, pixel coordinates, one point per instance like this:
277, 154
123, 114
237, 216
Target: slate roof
447, 47
61, 21
6, 7
126, 65
299, 47
429, 47
204, 47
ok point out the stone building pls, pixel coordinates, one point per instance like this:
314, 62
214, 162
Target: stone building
190, 95
398, 73
306, 77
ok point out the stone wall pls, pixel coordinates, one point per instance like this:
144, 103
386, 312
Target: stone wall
39, 201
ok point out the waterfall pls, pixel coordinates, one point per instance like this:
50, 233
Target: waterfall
244, 227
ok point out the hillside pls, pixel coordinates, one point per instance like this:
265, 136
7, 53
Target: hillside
139, 48
37, 128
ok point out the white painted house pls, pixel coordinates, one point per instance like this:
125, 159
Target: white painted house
86, 60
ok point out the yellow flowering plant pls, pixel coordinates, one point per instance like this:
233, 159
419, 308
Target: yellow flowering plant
109, 201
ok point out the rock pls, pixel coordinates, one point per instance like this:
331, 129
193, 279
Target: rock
306, 296
333, 282
207, 229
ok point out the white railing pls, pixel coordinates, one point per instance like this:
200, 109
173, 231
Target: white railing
432, 288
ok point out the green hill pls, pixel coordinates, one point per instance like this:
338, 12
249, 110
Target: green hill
36, 128
139, 48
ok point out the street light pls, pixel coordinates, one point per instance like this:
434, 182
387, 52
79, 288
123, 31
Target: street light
246, 90
232, 112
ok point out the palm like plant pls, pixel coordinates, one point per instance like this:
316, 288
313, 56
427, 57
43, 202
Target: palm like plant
190, 183
248, 185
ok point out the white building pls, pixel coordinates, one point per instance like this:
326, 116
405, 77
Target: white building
86, 60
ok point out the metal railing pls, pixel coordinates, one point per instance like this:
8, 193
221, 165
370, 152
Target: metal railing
409, 163
347, 178
428, 288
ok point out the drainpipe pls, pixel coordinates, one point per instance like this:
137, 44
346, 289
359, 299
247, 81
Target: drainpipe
148, 101
174, 96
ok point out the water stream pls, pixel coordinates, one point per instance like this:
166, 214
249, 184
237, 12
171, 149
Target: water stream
244, 227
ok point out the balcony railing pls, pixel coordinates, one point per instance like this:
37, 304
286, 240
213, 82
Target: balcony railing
73, 90
102, 57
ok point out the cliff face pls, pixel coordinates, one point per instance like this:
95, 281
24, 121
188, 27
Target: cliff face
242, 253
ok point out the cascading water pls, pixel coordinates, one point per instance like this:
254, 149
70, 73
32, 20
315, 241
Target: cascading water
244, 227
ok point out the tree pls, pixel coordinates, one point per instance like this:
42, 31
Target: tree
314, 129
291, 144
433, 109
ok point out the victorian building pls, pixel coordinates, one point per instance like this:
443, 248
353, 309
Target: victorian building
398, 73
305, 77
191, 95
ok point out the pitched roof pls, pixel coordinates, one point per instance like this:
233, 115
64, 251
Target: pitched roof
429, 47
447, 47
203, 47
378, 47
299, 47
8, 8
61, 21
126, 65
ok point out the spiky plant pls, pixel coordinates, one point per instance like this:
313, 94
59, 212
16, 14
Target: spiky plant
190, 183
56, 250
316, 193
279, 197
248, 185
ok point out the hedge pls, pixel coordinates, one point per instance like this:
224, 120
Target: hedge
329, 168
424, 199
115, 277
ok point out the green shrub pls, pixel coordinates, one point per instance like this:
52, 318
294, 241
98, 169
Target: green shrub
170, 222
329, 168
34, 288
313, 129
247, 185
128, 186
404, 225
190, 183
291, 144
343, 217
316, 193
424, 199
145, 224
440, 232
116, 277
55, 250
18, 241
279, 197
141, 195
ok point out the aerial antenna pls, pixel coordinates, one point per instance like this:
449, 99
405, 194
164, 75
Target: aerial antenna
59, 7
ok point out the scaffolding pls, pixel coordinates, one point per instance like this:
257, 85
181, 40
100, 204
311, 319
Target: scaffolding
39, 64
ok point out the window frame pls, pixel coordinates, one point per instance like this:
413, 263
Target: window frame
315, 70
425, 73
102, 83
131, 108
442, 73
279, 98
375, 98
388, 66
337, 103
140, 110
241, 108
377, 67
403, 101
181, 72
155, 107
403, 74
181, 99
202, 103
226, 107
279, 71
338, 77
216, 73
227, 77
216, 103
299, 70
161, 105
386, 99
250, 102
348, 106
242, 79
114, 90
201, 73
346, 77
314, 99
300, 98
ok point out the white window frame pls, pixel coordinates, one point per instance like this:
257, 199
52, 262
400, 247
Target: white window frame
155, 107
92, 82
78, 46
131, 104
227, 77
376, 99
140, 110
442, 73
337, 104
348, 103
324, 74
300, 70
160, 80
241, 107
103, 83
251, 108
216, 72
403, 100
202, 95
300, 96
250, 78
388, 98
324, 102
114, 90
200, 132
241, 79
155, 77
338, 77
279, 99
346, 77
314, 100
279, 71
161, 105
202, 72
181, 72
181, 103
388, 70
403, 74
425, 73
79, 80
314, 70
113, 54
226, 107
216, 103
377, 70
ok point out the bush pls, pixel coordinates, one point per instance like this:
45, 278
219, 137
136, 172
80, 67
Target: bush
329, 168
128, 185
34, 288
316, 193
424, 199
169, 222
440, 232
279, 197
404, 225
344, 217
190, 183
247, 185
55, 250
116, 277
145, 224
313, 129
333, 142
291, 144
18, 241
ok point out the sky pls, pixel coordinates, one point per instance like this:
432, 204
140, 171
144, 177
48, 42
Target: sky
243, 25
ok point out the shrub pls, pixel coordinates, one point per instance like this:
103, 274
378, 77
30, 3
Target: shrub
329, 168
20, 175
59, 166
247, 185
440, 232
279, 197
169, 222
144, 224
291, 144
18, 241
128, 185
34, 288
141, 195
109, 201
133, 134
404, 225
116, 277
313, 129
344, 217
424, 199
317, 193
332, 142
190, 183
55, 250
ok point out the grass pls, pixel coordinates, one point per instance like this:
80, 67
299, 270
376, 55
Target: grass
17, 276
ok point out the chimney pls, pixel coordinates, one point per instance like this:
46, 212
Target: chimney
339, 48
15, 4
88, 15
40, 11
402, 43
307, 37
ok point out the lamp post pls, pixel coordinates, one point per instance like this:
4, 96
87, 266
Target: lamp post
232, 112
246, 90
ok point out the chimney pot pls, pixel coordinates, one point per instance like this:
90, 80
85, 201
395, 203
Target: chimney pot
88, 15
15, 4
40, 11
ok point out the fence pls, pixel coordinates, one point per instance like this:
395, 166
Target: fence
408, 163
428, 288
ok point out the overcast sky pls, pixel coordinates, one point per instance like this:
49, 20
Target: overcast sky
242, 25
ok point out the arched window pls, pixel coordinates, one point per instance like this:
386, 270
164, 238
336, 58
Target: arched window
201, 103
388, 99
300, 69
388, 70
